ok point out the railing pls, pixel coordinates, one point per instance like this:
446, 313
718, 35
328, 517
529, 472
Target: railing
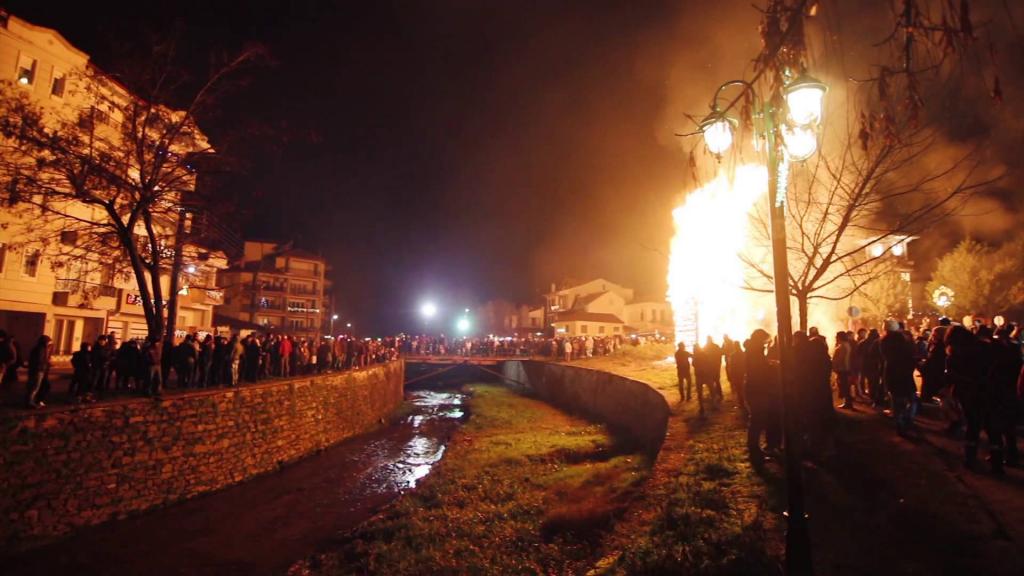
74, 286
302, 290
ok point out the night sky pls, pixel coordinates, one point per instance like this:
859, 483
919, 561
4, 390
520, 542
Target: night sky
468, 150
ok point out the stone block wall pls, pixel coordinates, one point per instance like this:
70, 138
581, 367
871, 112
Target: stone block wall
65, 468
629, 407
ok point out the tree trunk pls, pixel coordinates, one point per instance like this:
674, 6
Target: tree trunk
172, 302
801, 303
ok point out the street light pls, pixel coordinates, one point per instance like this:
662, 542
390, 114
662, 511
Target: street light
717, 130
428, 310
791, 138
333, 318
462, 325
804, 99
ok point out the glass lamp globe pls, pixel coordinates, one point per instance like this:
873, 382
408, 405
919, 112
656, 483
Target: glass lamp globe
897, 249
717, 134
805, 97
801, 142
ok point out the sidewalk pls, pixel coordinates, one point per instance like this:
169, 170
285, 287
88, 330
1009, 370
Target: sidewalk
891, 505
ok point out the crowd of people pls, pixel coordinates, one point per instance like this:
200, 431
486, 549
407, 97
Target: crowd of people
106, 366
974, 373
561, 347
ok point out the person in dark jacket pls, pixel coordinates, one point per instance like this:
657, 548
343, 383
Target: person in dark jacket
967, 366
204, 364
8, 356
127, 364
897, 353
101, 364
1005, 374
152, 358
39, 372
81, 375
683, 378
871, 368
815, 415
763, 398
185, 361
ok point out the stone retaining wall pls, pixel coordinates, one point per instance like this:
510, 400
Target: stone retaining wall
632, 408
65, 468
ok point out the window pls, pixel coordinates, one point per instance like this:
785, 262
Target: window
69, 237
600, 329
58, 84
641, 314
617, 329
26, 70
30, 263
584, 328
108, 274
3, 256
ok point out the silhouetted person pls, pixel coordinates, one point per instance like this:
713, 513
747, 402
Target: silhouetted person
1005, 373
763, 398
39, 372
81, 373
897, 353
713, 357
152, 359
812, 403
841, 360
967, 370
871, 367
683, 372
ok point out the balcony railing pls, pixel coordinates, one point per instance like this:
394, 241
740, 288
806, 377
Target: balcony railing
303, 290
74, 286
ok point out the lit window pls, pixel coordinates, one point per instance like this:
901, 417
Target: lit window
26, 70
59, 82
30, 265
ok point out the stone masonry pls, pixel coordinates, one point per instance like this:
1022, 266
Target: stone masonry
66, 468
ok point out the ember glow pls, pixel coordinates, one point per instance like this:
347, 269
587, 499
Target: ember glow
706, 274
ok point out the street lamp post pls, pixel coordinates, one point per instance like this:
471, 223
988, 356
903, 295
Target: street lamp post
793, 139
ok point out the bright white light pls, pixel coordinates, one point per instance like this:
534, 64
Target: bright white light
334, 316
801, 143
805, 105
999, 321
348, 325
717, 136
462, 325
191, 269
877, 250
23, 80
897, 249
804, 98
428, 310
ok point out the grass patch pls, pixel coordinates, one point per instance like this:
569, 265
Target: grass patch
524, 489
708, 510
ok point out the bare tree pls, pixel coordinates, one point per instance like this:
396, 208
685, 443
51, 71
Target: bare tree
106, 178
871, 192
